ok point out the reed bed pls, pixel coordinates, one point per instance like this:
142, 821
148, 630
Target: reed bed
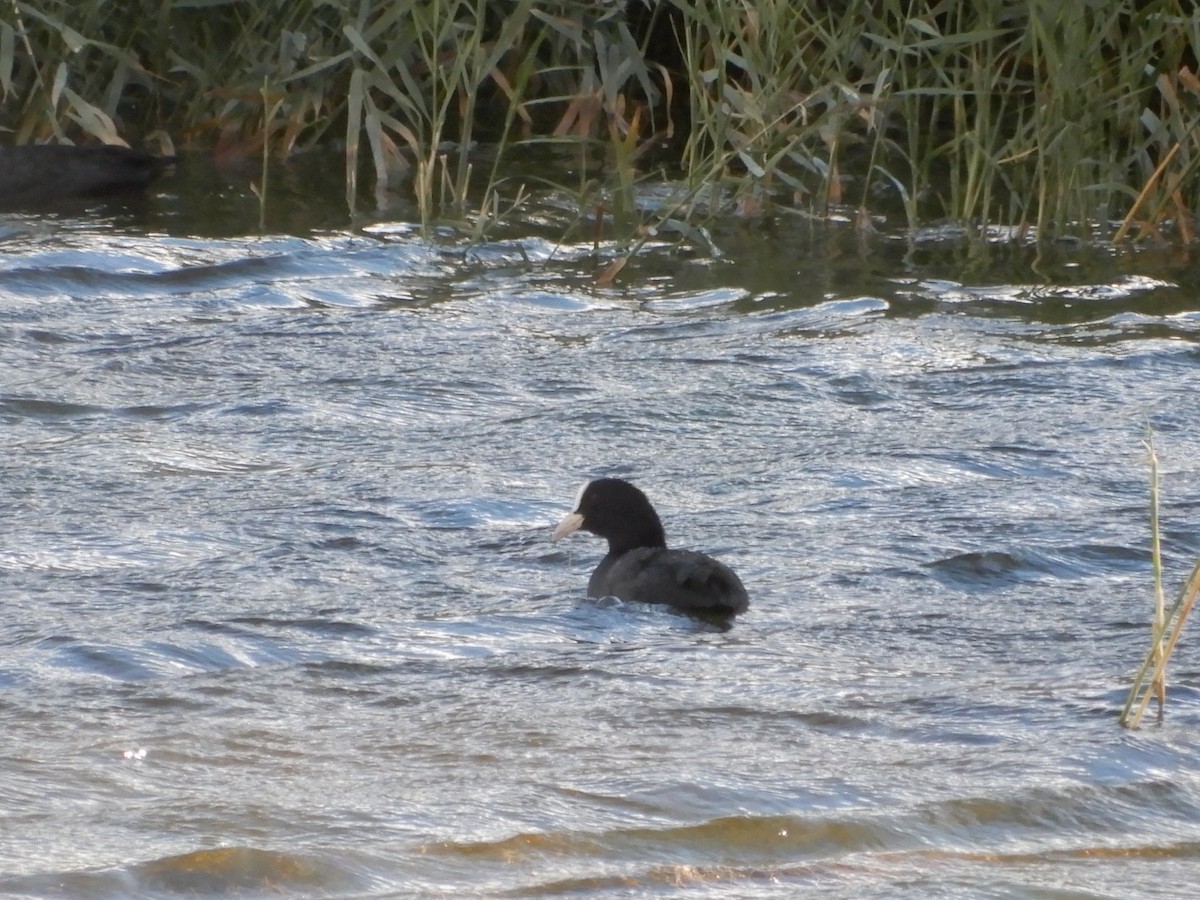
1031, 119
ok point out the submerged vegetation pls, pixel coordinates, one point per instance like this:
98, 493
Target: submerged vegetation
1038, 118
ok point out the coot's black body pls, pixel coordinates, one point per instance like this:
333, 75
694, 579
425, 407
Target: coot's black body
638, 565
34, 174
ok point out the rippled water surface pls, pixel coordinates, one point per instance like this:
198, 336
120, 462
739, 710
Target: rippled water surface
281, 616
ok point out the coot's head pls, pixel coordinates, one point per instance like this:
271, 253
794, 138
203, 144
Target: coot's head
617, 511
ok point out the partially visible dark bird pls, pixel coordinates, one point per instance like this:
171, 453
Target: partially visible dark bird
34, 174
638, 565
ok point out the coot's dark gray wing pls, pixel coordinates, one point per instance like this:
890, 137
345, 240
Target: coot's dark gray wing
684, 579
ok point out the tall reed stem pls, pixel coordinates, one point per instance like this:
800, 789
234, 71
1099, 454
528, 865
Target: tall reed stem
1167, 626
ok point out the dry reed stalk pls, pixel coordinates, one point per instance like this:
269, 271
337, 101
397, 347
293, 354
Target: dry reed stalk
1147, 188
1167, 625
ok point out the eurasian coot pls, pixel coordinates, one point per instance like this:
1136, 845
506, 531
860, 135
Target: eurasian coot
638, 565
33, 174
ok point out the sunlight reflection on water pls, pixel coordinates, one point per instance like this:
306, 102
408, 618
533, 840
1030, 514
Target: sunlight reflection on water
282, 614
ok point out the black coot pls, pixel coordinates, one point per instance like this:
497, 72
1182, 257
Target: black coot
638, 565
33, 174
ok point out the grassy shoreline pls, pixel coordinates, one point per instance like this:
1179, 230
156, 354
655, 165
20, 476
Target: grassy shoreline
1046, 119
